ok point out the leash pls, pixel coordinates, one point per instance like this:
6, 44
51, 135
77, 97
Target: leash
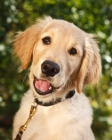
24, 127
34, 108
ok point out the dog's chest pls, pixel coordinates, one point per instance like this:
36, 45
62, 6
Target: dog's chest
49, 123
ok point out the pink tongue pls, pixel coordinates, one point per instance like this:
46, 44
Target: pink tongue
42, 85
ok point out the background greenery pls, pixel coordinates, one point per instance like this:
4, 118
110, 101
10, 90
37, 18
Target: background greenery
94, 16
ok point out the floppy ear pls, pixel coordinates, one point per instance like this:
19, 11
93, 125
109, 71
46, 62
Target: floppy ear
25, 41
90, 69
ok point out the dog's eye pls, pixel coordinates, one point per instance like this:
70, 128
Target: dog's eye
46, 40
72, 51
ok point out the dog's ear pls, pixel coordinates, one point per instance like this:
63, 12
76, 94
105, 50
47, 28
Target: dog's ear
24, 42
90, 69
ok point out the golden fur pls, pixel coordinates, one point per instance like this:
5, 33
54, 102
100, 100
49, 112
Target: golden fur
76, 71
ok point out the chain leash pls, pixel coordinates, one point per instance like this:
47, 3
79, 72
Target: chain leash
24, 127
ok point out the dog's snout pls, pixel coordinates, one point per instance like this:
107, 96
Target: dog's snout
49, 68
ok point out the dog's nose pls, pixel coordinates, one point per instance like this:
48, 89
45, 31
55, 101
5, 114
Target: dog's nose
49, 68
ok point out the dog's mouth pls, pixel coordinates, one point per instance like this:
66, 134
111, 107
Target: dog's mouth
43, 87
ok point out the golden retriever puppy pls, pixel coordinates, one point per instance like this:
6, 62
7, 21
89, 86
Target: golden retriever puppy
63, 59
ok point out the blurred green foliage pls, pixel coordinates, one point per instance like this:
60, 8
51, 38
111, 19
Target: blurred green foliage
94, 16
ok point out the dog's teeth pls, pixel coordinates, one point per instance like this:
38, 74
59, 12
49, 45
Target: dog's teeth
50, 88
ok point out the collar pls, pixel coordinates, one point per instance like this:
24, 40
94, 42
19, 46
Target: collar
69, 95
34, 107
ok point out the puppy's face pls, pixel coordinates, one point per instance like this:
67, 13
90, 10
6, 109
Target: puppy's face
63, 58
56, 56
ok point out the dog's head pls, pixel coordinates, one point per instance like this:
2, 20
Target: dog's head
63, 57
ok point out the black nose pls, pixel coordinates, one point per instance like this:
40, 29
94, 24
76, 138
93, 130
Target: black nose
49, 68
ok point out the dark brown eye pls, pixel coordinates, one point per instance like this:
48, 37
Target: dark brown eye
72, 51
46, 40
